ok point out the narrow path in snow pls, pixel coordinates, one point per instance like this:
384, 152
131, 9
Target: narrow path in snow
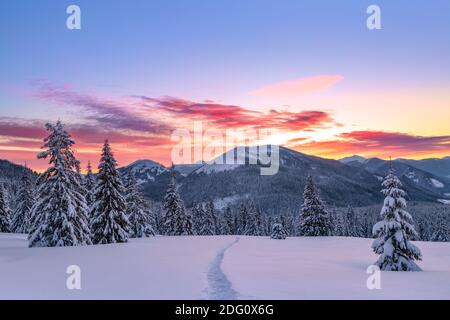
219, 287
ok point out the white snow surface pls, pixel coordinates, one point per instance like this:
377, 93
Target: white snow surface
330, 268
211, 267
444, 201
436, 183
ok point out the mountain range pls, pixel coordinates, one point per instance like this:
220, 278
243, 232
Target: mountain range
349, 181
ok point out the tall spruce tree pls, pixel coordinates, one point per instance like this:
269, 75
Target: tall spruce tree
252, 227
59, 216
228, 222
441, 228
89, 185
315, 220
5, 212
394, 231
25, 201
177, 221
109, 222
198, 216
210, 222
351, 223
137, 211
242, 219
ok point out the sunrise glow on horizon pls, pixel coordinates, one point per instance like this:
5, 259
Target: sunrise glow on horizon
332, 88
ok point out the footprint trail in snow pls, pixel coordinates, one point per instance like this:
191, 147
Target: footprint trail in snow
219, 287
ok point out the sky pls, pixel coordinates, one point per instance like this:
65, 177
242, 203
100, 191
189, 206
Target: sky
312, 71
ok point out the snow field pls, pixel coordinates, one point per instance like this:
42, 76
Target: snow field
217, 267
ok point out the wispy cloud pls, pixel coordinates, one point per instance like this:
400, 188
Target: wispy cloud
111, 113
231, 116
377, 144
298, 87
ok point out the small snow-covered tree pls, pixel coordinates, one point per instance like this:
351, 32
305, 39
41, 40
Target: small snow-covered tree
89, 185
59, 215
25, 201
392, 234
5, 213
177, 220
278, 231
441, 228
315, 220
109, 222
137, 213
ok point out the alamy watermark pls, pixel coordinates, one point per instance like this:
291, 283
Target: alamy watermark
374, 280
73, 21
73, 281
226, 147
374, 20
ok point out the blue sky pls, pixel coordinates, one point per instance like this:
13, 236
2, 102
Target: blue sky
224, 50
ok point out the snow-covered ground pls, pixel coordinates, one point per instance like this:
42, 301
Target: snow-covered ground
225, 267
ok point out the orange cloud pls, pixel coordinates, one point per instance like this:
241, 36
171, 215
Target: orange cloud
377, 144
298, 87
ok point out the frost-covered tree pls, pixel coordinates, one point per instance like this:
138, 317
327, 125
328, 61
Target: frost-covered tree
25, 201
109, 222
351, 223
5, 212
177, 221
59, 215
393, 233
441, 228
205, 219
278, 231
315, 220
89, 185
287, 220
228, 222
137, 211
252, 227
242, 219
198, 216
210, 223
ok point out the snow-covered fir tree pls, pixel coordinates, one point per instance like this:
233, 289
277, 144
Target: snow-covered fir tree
198, 216
441, 228
242, 219
177, 221
59, 215
252, 227
269, 221
210, 222
228, 222
89, 185
25, 201
5, 212
393, 233
351, 223
137, 211
315, 220
287, 220
205, 219
109, 222
278, 231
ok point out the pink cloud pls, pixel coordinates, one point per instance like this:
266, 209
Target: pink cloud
298, 87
